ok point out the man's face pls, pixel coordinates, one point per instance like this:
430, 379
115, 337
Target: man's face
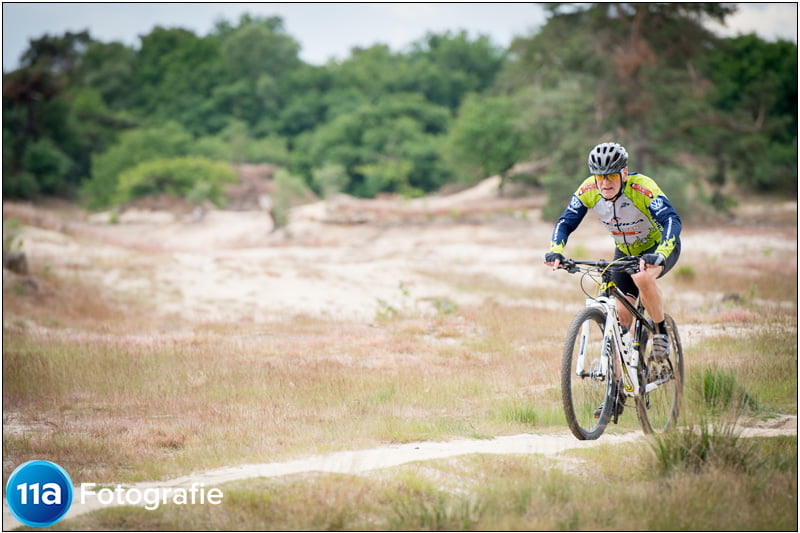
609, 185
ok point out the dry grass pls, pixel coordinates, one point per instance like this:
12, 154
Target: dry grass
95, 382
753, 277
114, 406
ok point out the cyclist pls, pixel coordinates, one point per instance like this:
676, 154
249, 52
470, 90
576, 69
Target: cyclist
642, 221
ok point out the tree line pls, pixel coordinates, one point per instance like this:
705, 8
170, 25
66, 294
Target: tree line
105, 122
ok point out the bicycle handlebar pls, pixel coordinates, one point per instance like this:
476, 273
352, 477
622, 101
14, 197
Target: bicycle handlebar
628, 264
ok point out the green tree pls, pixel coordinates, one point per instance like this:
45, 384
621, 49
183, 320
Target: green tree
372, 142
487, 137
446, 67
305, 92
133, 148
639, 66
755, 91
57, 54
372, 72
648, 75
109, 69
257, 55
235, 144
47, 152
48, 163
176, 73
258, 47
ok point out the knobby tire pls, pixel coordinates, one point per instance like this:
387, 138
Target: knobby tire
658, 410
582, 396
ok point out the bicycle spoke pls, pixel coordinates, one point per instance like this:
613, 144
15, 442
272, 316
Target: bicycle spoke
584, 380
658, 409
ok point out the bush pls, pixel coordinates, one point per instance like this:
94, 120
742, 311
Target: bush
291, 190
20, 185
194, 178
11, 239
331, 179
234, 144
134, 147
485, 138
48, 164
270, 149
694, 449
720, 391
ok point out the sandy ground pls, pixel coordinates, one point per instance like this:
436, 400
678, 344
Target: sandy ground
233, 266
343, 260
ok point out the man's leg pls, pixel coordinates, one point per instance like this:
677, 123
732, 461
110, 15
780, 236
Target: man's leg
628, 287
625, 316
649, 291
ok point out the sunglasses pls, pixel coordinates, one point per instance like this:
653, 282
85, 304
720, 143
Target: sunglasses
610, 177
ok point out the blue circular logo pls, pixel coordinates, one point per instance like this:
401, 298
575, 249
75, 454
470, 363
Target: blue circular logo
39, 493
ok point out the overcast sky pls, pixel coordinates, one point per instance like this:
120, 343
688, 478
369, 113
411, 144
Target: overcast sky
324, 30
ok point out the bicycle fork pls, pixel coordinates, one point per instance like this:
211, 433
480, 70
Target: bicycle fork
626, 367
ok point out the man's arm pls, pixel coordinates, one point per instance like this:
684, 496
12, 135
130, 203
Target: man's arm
566, 224
662, 212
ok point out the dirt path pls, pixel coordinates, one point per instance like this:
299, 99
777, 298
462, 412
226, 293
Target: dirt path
358, 462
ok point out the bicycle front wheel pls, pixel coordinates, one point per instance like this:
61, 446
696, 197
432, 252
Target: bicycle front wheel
585, 385
658, 409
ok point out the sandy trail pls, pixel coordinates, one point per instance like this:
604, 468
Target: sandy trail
231, 265
358, 462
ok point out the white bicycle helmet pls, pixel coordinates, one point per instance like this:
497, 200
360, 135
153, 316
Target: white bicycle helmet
607, 158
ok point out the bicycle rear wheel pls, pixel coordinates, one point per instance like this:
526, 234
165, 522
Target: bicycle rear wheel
584, 387
658, 409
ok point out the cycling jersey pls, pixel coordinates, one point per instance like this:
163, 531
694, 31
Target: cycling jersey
641, 217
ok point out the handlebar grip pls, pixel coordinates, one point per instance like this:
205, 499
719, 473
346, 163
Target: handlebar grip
569, 265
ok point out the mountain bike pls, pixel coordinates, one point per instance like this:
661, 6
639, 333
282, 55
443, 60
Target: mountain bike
601, 367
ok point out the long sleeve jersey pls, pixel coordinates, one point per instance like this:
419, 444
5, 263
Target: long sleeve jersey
640, 218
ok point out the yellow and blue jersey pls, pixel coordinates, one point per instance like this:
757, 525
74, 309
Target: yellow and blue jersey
639, 219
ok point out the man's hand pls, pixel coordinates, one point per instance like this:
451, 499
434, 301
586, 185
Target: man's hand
652, 264
653, 259
553, 259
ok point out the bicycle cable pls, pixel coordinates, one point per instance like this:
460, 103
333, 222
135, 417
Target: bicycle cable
602, 272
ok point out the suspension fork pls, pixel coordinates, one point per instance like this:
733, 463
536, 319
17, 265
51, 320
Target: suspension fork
608, 306
611, 336
582, 350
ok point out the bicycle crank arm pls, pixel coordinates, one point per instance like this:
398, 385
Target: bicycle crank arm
654, 385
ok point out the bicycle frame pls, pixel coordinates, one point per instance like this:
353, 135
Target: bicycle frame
612, 337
